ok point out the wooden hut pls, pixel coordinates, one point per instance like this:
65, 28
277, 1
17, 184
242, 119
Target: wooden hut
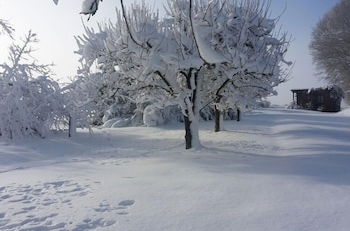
318, 99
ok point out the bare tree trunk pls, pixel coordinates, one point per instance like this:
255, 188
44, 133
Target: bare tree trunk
71, 127
217, 115
238, 115
191, 132
191, 118
188, 133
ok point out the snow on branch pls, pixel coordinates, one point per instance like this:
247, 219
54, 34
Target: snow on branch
6, 28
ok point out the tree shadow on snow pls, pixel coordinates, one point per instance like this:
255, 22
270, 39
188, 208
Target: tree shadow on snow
319, 151
326, 167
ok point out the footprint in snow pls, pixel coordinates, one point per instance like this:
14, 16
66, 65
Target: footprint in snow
121, 209
24, 202
106, 207
126, 203
28, 200
89, 224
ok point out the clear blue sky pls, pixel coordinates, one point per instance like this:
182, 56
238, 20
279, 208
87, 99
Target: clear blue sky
56, 26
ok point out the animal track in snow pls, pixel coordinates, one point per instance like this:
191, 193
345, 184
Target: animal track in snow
26, 204
29, 207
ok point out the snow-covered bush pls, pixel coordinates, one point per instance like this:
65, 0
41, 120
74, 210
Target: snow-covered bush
98, 98
263, 104
153, 116
30, 101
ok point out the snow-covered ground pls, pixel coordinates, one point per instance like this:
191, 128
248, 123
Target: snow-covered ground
276, 170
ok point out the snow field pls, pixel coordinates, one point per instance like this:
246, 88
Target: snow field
276, 170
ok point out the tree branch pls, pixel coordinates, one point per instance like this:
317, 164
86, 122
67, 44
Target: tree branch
129, 31
194, 34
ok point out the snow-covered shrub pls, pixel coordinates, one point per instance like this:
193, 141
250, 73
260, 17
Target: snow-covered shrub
30, 101
263, 104
153, 116
173, 114
99, 98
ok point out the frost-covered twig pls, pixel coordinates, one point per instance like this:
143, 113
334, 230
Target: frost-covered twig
6, 28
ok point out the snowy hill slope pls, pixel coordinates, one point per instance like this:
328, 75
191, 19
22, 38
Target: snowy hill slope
276, 170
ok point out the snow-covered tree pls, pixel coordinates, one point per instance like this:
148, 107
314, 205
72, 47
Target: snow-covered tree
105, 88
330, 46
247, 56
30, 102
165, 60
